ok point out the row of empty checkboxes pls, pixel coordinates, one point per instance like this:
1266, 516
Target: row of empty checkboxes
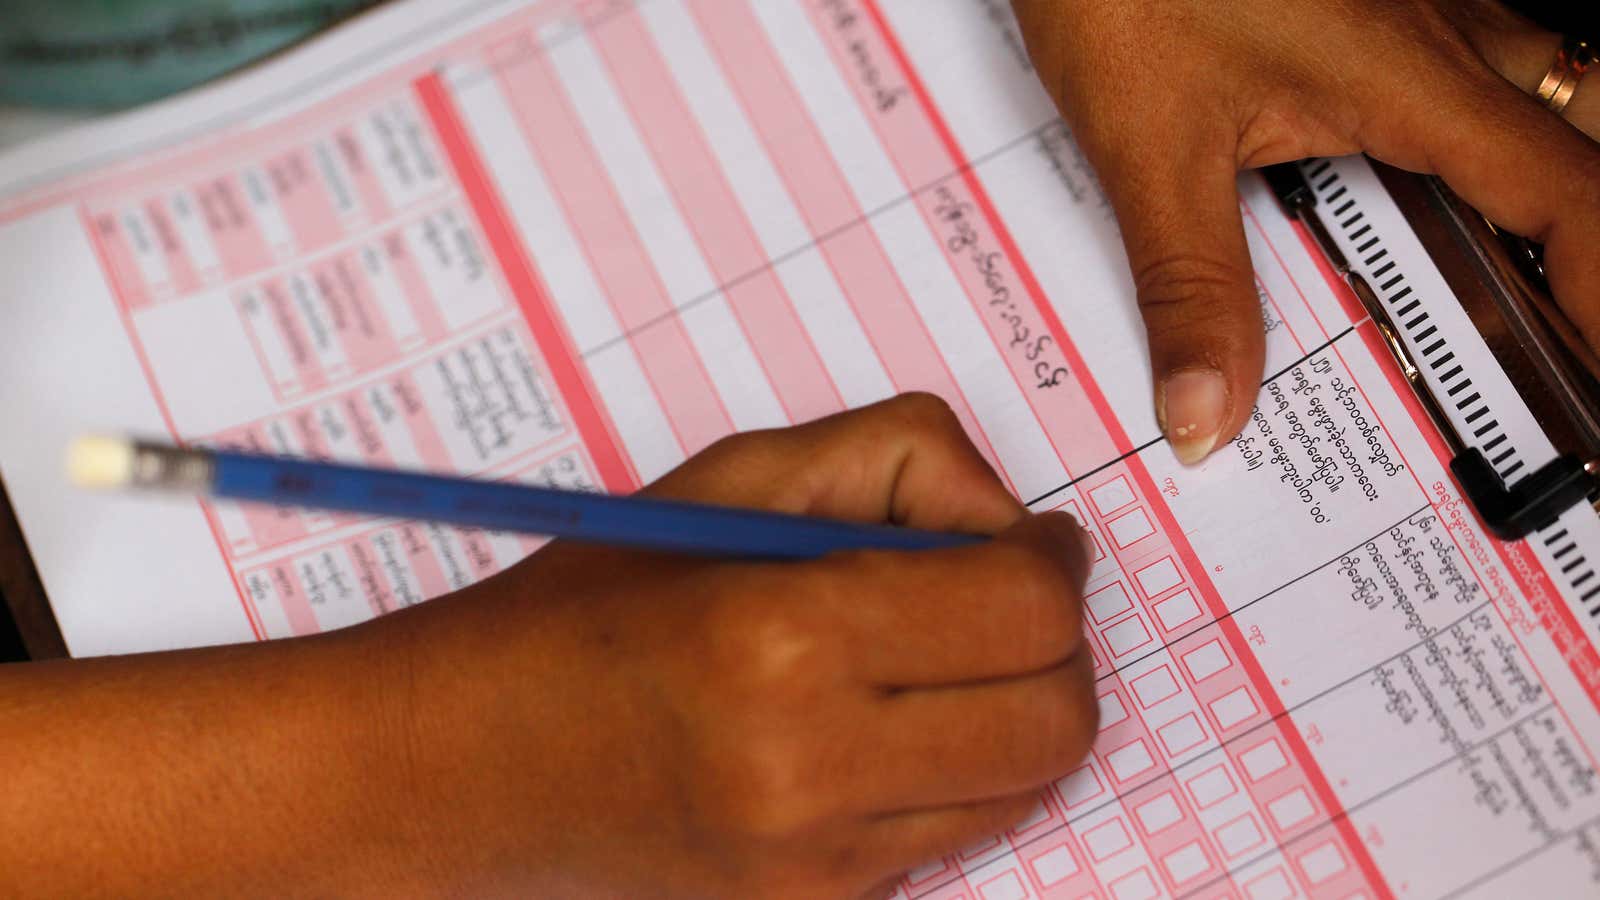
1053, 862
1056, 864
1054, 867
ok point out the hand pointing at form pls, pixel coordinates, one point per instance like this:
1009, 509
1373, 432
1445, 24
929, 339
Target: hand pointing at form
1170, 99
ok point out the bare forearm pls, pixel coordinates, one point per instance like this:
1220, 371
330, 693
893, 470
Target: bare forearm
238, 770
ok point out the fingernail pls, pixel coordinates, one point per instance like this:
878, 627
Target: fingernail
1190, 410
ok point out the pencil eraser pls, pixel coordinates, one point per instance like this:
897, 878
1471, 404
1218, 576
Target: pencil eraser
100, 462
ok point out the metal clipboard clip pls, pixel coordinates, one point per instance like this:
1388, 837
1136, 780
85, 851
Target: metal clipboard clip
1547, 360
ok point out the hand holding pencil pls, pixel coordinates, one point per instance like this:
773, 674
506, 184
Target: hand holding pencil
602, 721
824, 724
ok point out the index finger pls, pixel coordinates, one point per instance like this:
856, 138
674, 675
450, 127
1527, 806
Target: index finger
906, 460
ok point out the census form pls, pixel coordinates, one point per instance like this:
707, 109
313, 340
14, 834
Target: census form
575, 243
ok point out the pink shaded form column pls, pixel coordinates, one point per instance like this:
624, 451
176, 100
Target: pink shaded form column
424, 561
932, 127
819, 190
989, 277
858, 47
572, 381
980, 253
1286, 803
368, 436
313, 442
180, 268
283, 315
296, 606
424, 306
117, 258
240, 243
361, 328
615, 252
304, 200
480, 555
374, 582
721, 229
425, 435
369, 189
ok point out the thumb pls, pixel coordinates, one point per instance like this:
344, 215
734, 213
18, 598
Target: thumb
1180, 220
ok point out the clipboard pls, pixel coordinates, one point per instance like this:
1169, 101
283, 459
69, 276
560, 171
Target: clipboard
1499, 280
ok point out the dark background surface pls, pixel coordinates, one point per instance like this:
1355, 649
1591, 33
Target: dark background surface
1576, 17
10, 638
17, 578
24, 608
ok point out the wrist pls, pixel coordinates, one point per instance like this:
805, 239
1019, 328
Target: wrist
347, 741
465, 798
392, 758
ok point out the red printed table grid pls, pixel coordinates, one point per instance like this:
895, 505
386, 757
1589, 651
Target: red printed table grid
385, 568
172, 242
396, 422
363, 307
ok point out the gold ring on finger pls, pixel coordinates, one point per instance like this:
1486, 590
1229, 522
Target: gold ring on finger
1566, 70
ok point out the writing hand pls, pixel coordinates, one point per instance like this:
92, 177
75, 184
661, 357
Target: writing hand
597, 722
617, 723
1171, 98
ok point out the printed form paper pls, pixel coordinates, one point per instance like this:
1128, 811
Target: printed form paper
574, 243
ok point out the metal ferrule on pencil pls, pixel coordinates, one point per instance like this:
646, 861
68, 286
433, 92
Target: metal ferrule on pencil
172, 468
118, 463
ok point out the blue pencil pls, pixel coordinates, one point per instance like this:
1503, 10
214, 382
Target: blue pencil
493, 505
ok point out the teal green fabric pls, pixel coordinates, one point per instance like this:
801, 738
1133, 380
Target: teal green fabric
113, 53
